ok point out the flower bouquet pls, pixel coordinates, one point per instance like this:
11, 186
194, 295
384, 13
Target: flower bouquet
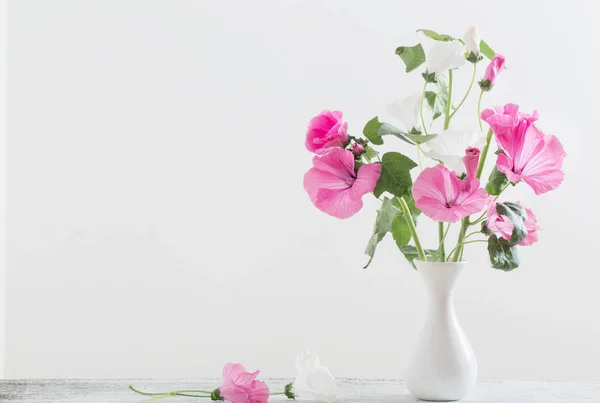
444, 184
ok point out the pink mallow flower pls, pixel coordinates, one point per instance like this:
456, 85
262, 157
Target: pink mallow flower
241, 386
326, 130
503, 227
444, 197
491, 72
526, 154
334, 187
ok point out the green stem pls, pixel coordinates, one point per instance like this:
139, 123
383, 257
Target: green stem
277, 393
479, 219
475, 241
172, 393
419, 157
479, 110
412, 228
441, 237
468, 90
472, 233
421, 108
448, 102
461, 239
484, 153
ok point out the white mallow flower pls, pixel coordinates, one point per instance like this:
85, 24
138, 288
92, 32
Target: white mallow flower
407, 112
450, 146
441, 56
313, 381
472, 39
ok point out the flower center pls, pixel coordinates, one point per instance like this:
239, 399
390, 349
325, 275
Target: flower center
350, 181
449, 204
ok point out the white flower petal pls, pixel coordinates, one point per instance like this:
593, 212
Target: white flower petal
444, 56
449, 147
472, 39
307, 362
407, 112
313, 382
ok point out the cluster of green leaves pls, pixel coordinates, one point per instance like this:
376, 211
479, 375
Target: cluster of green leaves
414, 56
503, 253
395, 179
374, 130
391, 218
438, 99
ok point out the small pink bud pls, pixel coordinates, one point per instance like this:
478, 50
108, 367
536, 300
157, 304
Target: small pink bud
491, 72
357, 149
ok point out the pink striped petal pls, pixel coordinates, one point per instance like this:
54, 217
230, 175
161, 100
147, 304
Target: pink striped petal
367, 178
338, 203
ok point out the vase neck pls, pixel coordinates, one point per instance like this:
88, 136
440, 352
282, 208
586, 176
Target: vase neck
440, 278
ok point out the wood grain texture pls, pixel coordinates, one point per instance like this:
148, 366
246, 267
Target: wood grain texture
350, 390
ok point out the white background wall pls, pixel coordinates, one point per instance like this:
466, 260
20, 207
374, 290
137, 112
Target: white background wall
157, 224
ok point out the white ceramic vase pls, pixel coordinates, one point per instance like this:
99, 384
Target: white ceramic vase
443, 366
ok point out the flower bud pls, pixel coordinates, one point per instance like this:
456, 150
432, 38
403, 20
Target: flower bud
491, 72
357, 149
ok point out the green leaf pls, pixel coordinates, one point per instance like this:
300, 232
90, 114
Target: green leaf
401, 231
395, 174
370, 131
374, 130
410, 253
434, 35
517, 215
420, 138
485, 49
383, 224
502, 255
412, 56
370, 153
496, 182
438, 99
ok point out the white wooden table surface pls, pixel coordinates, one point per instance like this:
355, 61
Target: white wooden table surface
350, 390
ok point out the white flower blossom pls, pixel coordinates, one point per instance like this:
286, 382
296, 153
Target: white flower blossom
442, 56
472, 39
449, 147
313, 381
407, 112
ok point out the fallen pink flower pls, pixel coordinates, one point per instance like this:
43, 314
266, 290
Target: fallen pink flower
241, 386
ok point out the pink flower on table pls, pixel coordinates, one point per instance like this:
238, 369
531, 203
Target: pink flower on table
503, 227
527, 153
444, 197
326, 130
334, 187
491, 72
241, 386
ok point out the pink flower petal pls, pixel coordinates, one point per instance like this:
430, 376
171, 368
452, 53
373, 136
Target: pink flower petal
337, 161
259, 392
234, 393
338, 203
367, 178
316, 179
443, 197
237, 374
